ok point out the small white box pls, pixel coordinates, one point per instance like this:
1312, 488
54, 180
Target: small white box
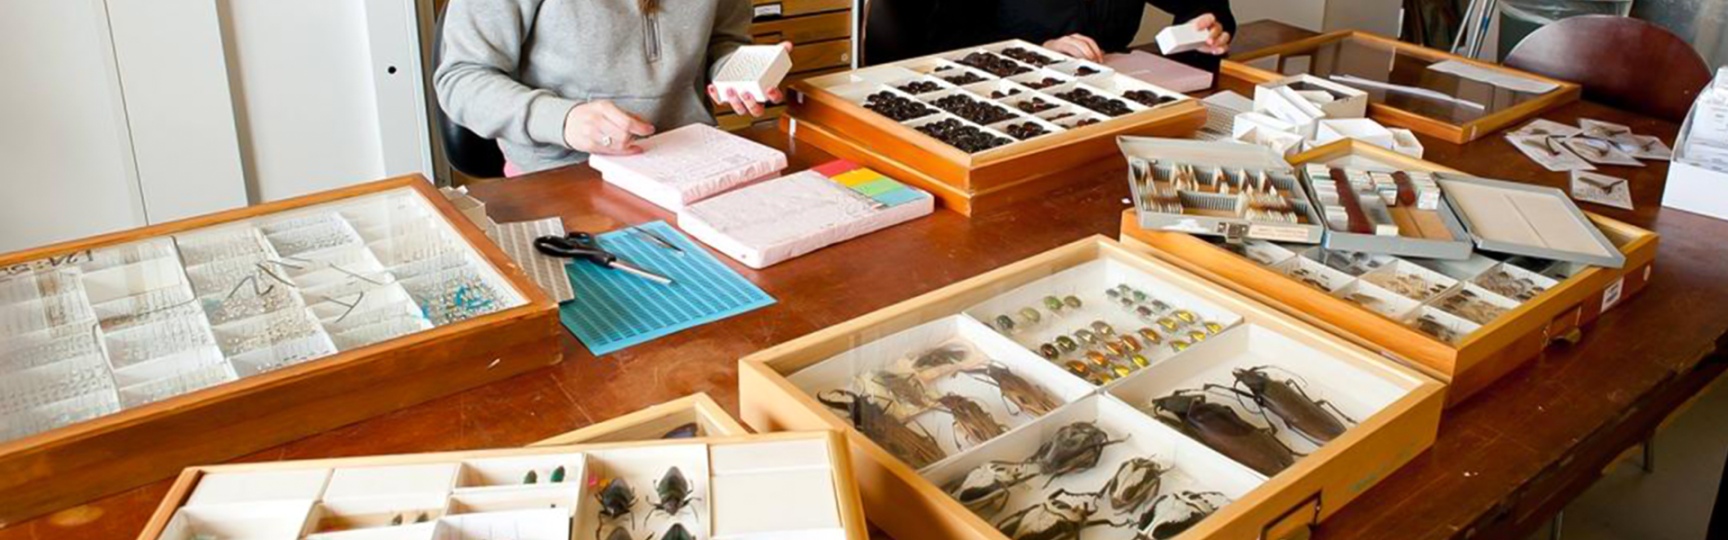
1341, 101
1180, 38
1405, 142
752, 70
1362, 129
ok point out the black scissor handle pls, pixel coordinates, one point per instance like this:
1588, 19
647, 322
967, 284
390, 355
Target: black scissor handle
576, 245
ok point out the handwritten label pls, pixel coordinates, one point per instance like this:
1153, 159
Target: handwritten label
1611, 295
38, 265
1276, 233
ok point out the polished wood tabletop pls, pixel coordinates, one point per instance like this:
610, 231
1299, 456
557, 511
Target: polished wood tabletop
1504, 461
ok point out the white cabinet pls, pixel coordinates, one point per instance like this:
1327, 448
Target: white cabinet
123, 113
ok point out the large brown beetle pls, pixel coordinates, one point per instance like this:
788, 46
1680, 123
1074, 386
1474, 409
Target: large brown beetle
1062, 516
970, 419
870, 417
1219, 427
1026, 396
1305, 415
1173, 513
984, 490
1076, 447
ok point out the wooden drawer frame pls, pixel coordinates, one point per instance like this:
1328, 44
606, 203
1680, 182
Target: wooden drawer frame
654, 422
73, 464
1237, 66
1484, 356
909, 507
850, 510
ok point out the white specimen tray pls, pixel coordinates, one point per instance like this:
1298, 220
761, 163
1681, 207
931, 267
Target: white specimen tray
1522, 219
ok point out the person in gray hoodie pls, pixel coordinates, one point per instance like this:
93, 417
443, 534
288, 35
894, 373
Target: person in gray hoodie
556, 80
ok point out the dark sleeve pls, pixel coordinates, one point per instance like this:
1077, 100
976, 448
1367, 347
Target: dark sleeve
1186, 10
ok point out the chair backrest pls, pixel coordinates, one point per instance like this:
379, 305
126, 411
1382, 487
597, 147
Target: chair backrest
1620, 61
894, 30
468, 152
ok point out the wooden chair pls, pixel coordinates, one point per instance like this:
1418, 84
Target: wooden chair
1620, 61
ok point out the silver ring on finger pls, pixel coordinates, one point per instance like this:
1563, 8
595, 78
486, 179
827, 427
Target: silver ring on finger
605, 140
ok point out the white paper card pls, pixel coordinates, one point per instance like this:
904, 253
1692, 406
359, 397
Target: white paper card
1548, 152
1601, 189
1503, 79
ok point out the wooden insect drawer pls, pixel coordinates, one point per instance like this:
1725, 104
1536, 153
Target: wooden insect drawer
126, 357
1083, 391
1443, 95
986, 126
1477, 319
692, 416
786, 485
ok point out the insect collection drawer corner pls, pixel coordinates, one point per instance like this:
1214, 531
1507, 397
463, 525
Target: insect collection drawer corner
313, 302
1466, 319
1093, 392
779, 486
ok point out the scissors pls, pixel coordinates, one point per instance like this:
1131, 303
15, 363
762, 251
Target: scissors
581, 245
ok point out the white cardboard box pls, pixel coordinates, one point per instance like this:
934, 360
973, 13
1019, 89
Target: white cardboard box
1344, 102
1180, 38
1696, 189
753, 69
1363, 129
1405, 142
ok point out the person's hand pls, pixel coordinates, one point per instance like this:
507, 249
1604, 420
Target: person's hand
600, 127
743, 104
1077, 46
1219, 42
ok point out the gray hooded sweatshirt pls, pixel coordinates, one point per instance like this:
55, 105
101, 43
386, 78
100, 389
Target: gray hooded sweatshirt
513, 69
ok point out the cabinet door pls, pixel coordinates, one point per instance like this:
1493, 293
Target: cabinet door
65, 155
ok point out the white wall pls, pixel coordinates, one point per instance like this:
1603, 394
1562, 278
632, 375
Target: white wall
64, 147
1378, 16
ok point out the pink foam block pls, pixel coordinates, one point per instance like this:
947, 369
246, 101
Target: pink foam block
689, 164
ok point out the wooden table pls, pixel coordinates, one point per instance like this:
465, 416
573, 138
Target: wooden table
1505, 461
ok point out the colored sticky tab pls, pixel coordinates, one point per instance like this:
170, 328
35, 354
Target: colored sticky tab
834, 168
899, 196
877, 187
853, 179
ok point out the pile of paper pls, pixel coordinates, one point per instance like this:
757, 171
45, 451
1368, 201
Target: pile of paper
689, 164
1698, 178
1560, 147
786, 217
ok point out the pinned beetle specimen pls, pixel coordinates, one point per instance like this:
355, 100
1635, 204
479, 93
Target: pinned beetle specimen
675, 494
677, 532
1060, 517
984, 490
1025, 395
1312, 419
942, 361
970, 419
1219, 427
686, 431
1173, 513
871, 418
903, 394
1134, 483
615, 498
618, 533
1076, 447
